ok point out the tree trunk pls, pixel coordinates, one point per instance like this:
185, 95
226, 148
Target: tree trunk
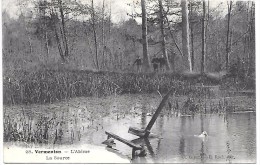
206, 33
58, 43
90, 46
173, 38
228, 33
47, 44
109, 27
146, 64
165, 55
203, 38
192, 38
251, 40
55, 20
30, 44
231, 40
46, 35
65, 42
94, 33
185, 32
103, 35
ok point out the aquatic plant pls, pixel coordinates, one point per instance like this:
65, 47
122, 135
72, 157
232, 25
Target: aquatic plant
48, 129
48, 86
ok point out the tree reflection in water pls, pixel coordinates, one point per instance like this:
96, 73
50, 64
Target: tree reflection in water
202, 154
145, 142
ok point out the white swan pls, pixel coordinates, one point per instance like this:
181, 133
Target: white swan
202, 135
149, 114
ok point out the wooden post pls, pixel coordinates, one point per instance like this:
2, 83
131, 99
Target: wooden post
133, 153
156, 114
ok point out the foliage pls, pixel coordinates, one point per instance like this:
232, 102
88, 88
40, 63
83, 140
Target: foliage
25, 39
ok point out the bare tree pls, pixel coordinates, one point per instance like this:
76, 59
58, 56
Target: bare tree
55, 19
173, 37
63, 31
42, 7
228, 34
146, 64
170, 30
249, 39
109, 19
203, 38
57, 12
185, 32
165, 55
26, 25
94, 32
103, 34
192, 37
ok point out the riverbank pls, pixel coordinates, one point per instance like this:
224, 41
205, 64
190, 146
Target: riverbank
48, 86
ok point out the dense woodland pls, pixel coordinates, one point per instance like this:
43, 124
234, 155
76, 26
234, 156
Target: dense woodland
191, 35
84, 36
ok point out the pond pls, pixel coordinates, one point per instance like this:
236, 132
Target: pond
231, 136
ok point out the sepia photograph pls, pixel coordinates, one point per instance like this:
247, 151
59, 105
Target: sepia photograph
128, 81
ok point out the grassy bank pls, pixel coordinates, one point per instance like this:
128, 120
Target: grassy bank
47, 86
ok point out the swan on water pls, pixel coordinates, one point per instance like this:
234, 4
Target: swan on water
149, 114
202, 135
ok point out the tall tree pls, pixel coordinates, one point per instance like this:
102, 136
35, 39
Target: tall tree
192, 36
228, 34
94, 32
203, 38
55, 19
163, 42
58, 10
146, 64
185, 32
42, 6
250, 38
63, 31
103, 34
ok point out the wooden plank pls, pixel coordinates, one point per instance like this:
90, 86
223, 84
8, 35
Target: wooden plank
140, 132
156, 114
136, 131
109, 142
134, 146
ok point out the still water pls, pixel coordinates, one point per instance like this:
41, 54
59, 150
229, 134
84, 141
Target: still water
231, 138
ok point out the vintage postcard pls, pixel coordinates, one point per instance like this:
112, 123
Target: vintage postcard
128, 81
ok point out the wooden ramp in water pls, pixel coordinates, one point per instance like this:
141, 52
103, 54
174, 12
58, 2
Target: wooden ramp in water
142, 133
129, 143
146, 132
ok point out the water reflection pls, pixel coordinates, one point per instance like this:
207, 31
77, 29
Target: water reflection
143, 120
228, 142
149, 147
182, 146
232, 137
202, 154
182, 139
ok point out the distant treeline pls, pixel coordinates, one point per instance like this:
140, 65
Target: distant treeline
44, 34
